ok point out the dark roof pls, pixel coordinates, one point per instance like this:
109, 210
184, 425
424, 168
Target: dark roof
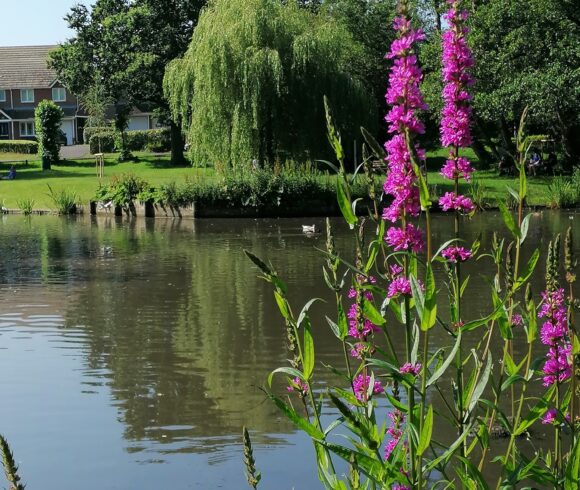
28, 113
25, 67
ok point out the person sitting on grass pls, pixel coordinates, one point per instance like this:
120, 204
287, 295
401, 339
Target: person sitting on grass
11, 174
534, 164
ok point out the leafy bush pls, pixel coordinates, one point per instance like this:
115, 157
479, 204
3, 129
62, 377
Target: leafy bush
102, 142
19, 146
156, 140
47, 119
91, 130
122, 190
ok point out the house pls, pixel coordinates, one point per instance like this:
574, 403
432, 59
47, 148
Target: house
25, 80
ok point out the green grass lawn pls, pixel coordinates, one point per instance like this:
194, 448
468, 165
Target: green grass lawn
80, 176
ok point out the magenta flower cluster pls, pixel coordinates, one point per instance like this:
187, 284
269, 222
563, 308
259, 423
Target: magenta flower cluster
555, 334
456, 254
361, 385
298, 386
405, 98
395, 431
409, 368
456, 115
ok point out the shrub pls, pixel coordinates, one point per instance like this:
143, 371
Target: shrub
123, 190
19, 146
156, 140
102, 142
91, 130
47, 119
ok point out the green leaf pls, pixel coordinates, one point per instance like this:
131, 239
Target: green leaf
572, 481
441, 369
304, 312
430, 311
524, 228
344, 203
418, 296
425, 437
308, 352
528, 270
508, 219
371, 467
294, 373
296, 419
532, 326
282, 305
536, 412
424, 197
480, 387
514, 378
342, 321
372, 314
377, 149
447, 454
261, 265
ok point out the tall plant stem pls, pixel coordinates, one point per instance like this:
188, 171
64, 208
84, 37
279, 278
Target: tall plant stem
310, 394
459, 355
410, 389
425, 356
573, 404
520, 405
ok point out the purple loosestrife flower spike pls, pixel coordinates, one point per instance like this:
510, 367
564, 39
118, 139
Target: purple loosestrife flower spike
405, 98
456, 115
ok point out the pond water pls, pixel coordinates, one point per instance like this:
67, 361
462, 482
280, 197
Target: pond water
133, 352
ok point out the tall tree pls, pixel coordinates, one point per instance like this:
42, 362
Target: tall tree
528, 54
251, 85
370, 24
124, 46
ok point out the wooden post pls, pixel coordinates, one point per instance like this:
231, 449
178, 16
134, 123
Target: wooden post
100, 165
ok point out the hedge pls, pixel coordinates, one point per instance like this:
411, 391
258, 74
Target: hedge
19, 146
89, 131
156, 140
107, 142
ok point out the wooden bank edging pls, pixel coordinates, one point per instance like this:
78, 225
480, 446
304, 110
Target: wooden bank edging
219, 210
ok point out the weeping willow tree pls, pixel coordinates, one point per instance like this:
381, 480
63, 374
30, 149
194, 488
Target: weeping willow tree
252, 82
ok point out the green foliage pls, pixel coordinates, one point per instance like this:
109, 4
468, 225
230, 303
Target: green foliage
563, 193
123, 190
157, 140
252, 82
528, 54
65, 200
19, 146
120, 51
47, 119
102, 142
91, 130
10, 466
26, 205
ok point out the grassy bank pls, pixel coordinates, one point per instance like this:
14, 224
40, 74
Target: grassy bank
80, 176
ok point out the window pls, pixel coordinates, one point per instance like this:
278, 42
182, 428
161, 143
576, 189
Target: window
59, 94
27, 128
4, 131
2, 95
27, 95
